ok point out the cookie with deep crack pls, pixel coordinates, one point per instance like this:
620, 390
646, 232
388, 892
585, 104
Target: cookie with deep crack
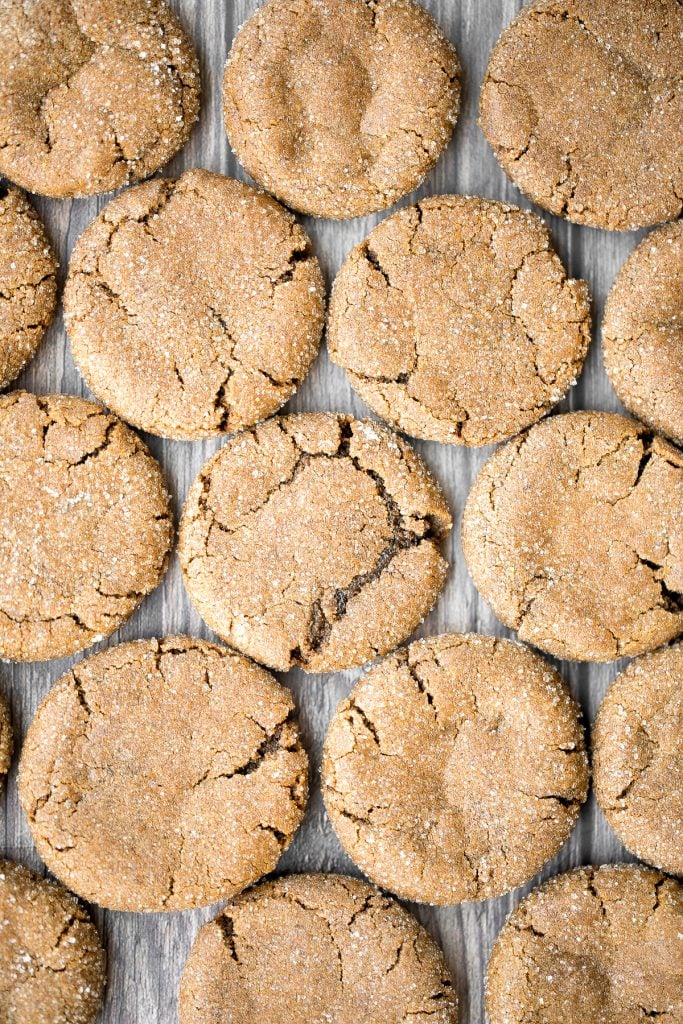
306, 948
583, 107
95, 93
572, 533
314, 540
340, 109
6, 737
163, 775
87, 525
52, 965
638, 758
642, 333
456, 322
455, 768
591, 946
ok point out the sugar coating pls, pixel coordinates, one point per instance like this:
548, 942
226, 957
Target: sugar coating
6, 737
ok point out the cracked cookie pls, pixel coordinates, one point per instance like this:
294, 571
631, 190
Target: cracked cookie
96, 93
642, 333
6, 737
456, 322
583, 107
166, 337
638, 758
340, 109
572, 533
163, 775
52, 965
87, 525
305, 948
591, 946
314, 540
455, 768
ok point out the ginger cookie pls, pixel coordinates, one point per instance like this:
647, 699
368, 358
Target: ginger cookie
28, 285
96, 93
582, 104
340, 109
309, 948
572, 533
591, 946
455, 768
87, 526
194, 307
6, 737
163, 775
52, 965
456, 322
642, 333
314, 540
638, 758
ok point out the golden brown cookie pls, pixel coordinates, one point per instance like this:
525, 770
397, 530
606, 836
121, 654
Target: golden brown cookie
340, 109
6, 737
307, 948
638, 758
52, 965
163, 775
593, 946
572, 533
314, 540
583, 106
455, 768
87, 525
95, 93
456, 321
642, 333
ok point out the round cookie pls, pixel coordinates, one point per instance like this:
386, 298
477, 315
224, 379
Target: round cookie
456, 322
591, 946
166, 337
28, 285
306, 948
638, 758
582, 104
52, 965
6, 737
340, 109
642, 333
572, 533
455, 768
163, 775
314, 540
87, 527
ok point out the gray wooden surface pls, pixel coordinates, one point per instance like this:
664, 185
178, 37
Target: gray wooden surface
147, 952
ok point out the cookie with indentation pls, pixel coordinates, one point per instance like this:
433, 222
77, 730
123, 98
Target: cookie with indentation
340, 109
52, 965
638, 758
572, 533
456, 322
583, 106
594, 945
88, 525
163, 775
314, 540
6, 737
361, 957
455, 768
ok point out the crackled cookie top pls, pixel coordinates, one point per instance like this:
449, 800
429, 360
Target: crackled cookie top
163, 775
583, 106
573, 534
642, 333
360, 958
314, 540
52, 965
456, 322
87, 525
455, 768
340, 109
6, 737
94, 93
592, 946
